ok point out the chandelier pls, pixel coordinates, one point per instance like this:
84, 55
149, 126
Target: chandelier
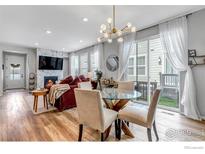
109, 31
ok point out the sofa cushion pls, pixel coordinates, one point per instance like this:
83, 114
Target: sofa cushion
67, 80
75, 81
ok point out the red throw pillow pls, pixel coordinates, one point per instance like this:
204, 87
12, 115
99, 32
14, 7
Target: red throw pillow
75, 81
83, 79
86, 80
67, 80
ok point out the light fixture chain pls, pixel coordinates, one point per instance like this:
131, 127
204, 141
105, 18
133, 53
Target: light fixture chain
113, 16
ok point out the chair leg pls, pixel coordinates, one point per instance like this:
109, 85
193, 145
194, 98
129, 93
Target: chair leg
116, 129
149, 134
80, 132
102, 137
128, 124
155, 131
119, 129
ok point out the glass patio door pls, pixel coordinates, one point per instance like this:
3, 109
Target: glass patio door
161, 74
138, 68
149, 68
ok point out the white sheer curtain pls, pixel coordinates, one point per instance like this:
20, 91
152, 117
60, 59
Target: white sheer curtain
74, 64
174, 39
124, 52
101, 60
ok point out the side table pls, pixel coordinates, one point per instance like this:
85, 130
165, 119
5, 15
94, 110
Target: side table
37, 93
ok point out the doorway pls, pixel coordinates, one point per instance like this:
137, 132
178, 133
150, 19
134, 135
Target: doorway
14, 71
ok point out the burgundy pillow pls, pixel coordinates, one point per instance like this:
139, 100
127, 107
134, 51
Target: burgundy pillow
86, 80
82, 77
75, 81
67, 80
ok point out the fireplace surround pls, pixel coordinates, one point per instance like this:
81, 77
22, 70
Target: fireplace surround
52, 78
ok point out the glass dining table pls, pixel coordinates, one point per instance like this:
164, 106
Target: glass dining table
117, 99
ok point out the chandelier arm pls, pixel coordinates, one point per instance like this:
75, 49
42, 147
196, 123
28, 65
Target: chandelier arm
111, 31
124, 28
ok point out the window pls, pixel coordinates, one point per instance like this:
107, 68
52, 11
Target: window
131, 66
141, 65
94, 62
137, 62
74, 65
136, 67
15, 72
84, 63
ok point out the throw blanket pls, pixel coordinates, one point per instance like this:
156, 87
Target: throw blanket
56, 91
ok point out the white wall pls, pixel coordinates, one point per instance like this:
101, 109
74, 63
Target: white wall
17, 49
196, 31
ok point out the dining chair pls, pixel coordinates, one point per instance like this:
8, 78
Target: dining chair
92, 113
143, 116
126, 85
85, 85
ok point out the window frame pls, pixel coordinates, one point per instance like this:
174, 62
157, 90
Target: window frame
97, 65
76, 65
145, 65
132, 66
86, 54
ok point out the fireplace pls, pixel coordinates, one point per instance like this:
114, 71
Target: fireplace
52, 78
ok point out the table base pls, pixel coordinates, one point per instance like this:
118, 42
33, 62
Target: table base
117, 105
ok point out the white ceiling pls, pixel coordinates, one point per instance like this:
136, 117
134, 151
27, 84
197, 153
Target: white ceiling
26, 25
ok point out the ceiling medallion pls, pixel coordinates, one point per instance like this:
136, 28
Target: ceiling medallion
109, 31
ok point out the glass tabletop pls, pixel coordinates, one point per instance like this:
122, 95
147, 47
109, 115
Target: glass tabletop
117, 94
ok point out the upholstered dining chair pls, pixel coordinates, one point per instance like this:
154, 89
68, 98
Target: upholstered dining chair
92, 113
85, 85
126, 85
142, 116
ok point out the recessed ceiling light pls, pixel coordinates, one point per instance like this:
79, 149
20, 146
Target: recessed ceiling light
85, 19
48, 32
37, 44
81, 41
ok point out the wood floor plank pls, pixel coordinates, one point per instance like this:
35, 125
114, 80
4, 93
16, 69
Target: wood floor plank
18, 123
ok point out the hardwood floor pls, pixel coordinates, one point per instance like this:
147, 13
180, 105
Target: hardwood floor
18, 123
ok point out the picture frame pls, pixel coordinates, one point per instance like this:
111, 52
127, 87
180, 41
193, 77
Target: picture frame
192, 53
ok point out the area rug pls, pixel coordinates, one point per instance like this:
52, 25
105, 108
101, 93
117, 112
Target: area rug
30, 100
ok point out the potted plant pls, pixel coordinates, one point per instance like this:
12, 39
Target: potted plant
99, 76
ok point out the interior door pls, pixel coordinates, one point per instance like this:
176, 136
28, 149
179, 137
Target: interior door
14, 71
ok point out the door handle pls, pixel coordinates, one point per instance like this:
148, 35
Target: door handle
21, 75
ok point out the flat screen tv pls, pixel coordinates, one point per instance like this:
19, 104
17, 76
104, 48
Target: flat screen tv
50, 63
